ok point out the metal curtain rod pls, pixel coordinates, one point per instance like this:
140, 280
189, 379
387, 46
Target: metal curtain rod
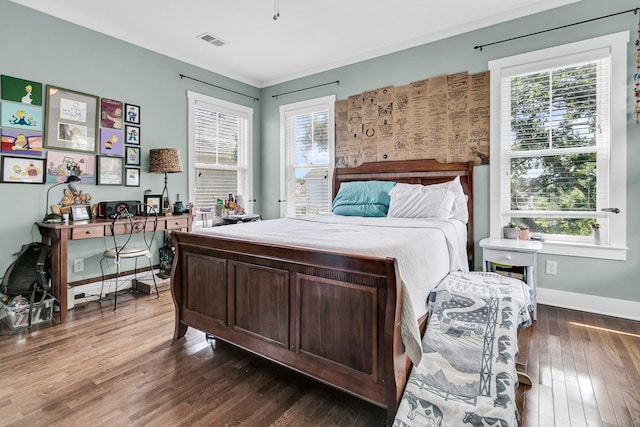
182, 76
337, 82
635, 11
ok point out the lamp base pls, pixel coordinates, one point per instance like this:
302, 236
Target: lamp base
52, 218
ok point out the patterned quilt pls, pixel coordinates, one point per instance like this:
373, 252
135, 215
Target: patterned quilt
467, 373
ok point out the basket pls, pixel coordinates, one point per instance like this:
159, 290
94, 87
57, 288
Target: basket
18, 317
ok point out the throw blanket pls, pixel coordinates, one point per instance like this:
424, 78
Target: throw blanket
468, 373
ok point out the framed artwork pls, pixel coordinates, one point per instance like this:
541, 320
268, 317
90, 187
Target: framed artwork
21, 116
110, 170
110, 114
21, 90
80, 212
111, 142
152, 204
132, 177
71, 120
133, 156
132, 114
132, 134
22, 170
61, 164
21, 142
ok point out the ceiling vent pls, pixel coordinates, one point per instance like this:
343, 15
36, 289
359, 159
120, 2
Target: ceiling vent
210, 38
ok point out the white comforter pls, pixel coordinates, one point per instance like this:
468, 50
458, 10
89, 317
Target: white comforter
426, 251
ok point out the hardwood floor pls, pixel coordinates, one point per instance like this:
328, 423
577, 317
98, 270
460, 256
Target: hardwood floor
123, 368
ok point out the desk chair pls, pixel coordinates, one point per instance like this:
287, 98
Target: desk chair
148, 223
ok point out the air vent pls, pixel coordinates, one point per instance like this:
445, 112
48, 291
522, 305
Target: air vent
210, 38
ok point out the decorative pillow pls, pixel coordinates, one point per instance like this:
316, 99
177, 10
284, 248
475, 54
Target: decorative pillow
419, 201
460, 210
363, 198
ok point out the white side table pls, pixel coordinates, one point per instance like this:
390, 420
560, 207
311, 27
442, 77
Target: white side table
516, 253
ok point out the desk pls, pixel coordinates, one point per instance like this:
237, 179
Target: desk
57, 235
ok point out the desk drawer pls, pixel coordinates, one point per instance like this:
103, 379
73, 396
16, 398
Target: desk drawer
90, 232
138, 226
508, 257
177, 223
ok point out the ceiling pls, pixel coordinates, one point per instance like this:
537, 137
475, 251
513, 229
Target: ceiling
309, 36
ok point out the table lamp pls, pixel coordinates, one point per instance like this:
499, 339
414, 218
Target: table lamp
165, 160
53, 217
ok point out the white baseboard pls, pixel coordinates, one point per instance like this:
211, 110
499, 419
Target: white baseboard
590, 303
124, 282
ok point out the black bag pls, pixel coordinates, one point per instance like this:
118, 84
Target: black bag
29, 272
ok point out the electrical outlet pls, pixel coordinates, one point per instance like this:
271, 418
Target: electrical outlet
551, 267
78, 265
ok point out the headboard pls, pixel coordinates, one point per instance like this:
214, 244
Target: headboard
425, 172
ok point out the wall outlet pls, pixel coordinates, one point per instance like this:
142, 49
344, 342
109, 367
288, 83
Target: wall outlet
78, 265
551, 267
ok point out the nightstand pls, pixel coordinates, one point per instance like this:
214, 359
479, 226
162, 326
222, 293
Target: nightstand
516, 253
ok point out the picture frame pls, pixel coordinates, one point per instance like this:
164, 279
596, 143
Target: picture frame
110, 170
21, 116
152, 204
71, 120
61, 164
111, 113
132, 156
132, 177
21, 90
111, 142
132, 114
132, 135
21, 143
22, 170
79, 212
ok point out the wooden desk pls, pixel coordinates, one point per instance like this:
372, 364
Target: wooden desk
57, 235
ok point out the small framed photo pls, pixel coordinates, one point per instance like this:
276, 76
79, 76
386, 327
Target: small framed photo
131, 114
110, 170
152, 204
132, 156
110, 113
111, 142
132, 177
132, 135
23, 170
80, 212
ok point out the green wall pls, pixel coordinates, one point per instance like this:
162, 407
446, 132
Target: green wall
55, 52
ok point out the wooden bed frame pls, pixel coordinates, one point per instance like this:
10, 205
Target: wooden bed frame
293, 305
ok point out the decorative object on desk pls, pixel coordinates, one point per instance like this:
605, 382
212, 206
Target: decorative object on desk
111, 142
21, 90
61, 164
523, 232
178, 206
152, 202
166, 259
80, 213
165, 160
132, 156
21, 142
71, 120
132, 135
596, 233
53, 217
132, 177
110, 170
110, 113
132, 114
22, 170
510, 231
74, 197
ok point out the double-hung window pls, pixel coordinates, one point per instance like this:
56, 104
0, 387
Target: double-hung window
307, 154
558, 145
220, 142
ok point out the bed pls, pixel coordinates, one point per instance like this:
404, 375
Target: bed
339, 314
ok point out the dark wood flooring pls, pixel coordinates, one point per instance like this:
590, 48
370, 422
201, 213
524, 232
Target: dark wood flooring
105, 368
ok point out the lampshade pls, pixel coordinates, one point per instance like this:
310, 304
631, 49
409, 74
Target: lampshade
164, 160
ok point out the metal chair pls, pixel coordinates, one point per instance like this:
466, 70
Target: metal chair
145, 225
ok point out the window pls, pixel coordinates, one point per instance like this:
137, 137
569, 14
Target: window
219, 151
307, 153
558, 150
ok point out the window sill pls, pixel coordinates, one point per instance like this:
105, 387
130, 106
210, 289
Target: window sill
584, 250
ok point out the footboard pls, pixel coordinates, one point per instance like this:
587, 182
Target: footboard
334, 317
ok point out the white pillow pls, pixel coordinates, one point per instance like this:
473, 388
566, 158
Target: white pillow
460, 210
419, 201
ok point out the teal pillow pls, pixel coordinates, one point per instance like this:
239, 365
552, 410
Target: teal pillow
363, 198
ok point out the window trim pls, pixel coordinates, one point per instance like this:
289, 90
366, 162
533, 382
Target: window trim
246, 156
302, 107
617, 45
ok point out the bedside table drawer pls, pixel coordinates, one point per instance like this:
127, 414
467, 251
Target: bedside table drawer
508, 257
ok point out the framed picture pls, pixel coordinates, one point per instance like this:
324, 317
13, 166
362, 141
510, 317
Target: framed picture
110, 114
80, 212
111, 142
132, 177
132, 134
22, 170
152, 204
21, 90
21, 116
61, 164
110, 170
71, 120
132, 114
21, 142
133, 156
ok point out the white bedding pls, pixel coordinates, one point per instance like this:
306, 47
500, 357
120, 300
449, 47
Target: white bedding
426, 251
